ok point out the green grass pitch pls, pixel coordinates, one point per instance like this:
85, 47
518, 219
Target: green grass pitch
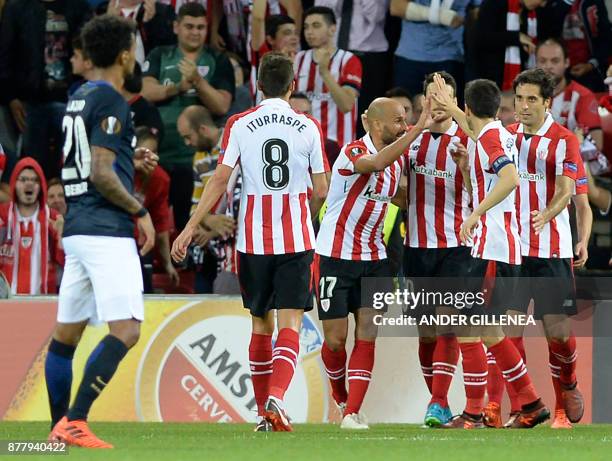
313, 442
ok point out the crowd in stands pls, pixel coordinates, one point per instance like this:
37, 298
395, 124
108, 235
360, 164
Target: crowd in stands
197, 66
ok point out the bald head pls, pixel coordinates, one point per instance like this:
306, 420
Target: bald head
381, 108
197, 128
386, 120
197, 115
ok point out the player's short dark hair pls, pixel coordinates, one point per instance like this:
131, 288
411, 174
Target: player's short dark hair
553, 41
193, 9
327, 13
275, 21
448, 79
398, 92
133, 82
105, 38
145, 133
197, 116
483, 98
538, 77
300, 95
275, 74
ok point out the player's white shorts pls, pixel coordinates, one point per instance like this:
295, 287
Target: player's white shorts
102, 280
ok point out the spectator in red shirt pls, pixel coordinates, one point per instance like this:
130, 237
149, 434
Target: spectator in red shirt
30, 231
151, 187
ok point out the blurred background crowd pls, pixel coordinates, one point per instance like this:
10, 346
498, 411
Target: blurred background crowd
197, 65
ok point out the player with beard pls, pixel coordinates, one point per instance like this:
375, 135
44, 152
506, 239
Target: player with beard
350, 246
549, 166
102, 281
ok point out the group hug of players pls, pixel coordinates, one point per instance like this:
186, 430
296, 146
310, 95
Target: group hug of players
482, 199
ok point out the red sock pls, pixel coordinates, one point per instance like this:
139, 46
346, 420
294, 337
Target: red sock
555, 372
514, 370
445, 358
495, 381
359, 374
566, 354
426, 352
260, 360
520, 346
474, 362
335, 366
515, 403
284, 360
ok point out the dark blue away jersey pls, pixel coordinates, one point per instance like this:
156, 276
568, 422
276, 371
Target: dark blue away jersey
96, 115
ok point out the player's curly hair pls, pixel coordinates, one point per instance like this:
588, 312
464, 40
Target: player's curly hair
105, 38
538, 77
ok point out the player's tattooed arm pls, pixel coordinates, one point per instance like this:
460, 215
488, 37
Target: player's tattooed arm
564, 189
107, 182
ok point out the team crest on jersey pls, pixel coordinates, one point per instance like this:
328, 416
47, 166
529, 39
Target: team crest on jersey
325, 305
111, 125
542, 153
203, 70
509, 143
26, 242
356, 151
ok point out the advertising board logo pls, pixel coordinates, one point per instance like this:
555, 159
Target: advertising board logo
196, 368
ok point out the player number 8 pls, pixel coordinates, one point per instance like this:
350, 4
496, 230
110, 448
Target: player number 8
275, 157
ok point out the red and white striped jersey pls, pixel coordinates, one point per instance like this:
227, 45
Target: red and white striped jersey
576, 107
438, 201
497, 235
275, 146
551, 152
352, 227
345, 67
